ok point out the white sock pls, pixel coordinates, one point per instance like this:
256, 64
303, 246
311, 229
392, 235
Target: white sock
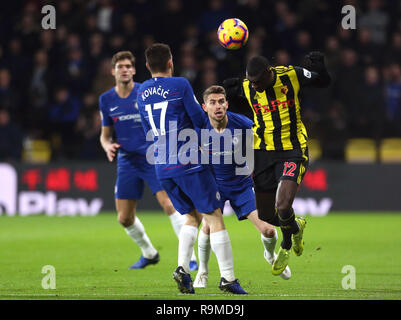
177, 221
138, 234
221, 246
186, 243
269, 244
203, 252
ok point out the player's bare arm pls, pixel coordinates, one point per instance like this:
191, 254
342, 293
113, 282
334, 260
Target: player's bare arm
107, 143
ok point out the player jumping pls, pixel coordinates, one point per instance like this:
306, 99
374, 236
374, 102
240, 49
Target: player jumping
270, 97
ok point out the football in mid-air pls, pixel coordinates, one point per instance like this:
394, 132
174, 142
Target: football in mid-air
233, 34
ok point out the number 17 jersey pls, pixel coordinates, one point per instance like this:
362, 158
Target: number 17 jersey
168, 106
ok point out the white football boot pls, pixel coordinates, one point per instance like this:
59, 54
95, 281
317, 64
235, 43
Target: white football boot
201, 280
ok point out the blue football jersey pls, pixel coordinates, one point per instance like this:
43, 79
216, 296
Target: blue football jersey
221, 156
168, 107
123, 115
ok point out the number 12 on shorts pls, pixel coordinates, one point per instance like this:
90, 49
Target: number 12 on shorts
160, 105
289, 168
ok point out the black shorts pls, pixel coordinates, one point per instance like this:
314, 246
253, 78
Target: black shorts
273, 166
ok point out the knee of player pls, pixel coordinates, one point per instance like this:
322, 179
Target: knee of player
166, 203
205, 228
168, 207
268, 231
124, 220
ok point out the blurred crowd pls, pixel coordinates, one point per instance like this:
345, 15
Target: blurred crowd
50, 80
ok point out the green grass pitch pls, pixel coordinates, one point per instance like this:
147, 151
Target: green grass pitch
91, 256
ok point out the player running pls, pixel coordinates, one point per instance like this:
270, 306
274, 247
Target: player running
270, 97
119, 110
170, 112
238, 189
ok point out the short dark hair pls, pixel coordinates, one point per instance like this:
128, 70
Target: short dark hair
121, 56
213, 89
257, 65
157, 56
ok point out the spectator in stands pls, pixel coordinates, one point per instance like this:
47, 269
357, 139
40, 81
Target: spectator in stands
393, 52
213, 16
75, 73
369, 120
282, 58
171, 21
346, 37
27, 28
66, 15
63, 114
320, 18
349, 78
333, 54
106, 16
333, 132
9, 97
303, 46
90, 25
103, 80
96, 52
47, 39
41, 80
191, 35
376, 20
286, 25
11, 138
256, 12
393, 101
254, 46
117, 43
41, 83
65, 108
208, 78
187, 66
207, 75
88, 127
17, 62
128, 35
368, 51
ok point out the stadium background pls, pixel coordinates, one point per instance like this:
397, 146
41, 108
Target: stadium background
50, 81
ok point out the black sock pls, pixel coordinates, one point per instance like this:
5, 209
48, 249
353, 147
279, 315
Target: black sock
288, 227
275, 221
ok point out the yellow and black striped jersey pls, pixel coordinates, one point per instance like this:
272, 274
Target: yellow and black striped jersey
277, 112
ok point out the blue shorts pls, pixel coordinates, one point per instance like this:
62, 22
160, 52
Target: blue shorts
241, 200
197, 190
131, 175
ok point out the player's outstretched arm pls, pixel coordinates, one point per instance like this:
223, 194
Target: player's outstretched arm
318, 75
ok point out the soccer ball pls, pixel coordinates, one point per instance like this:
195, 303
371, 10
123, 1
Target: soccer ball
232, 34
